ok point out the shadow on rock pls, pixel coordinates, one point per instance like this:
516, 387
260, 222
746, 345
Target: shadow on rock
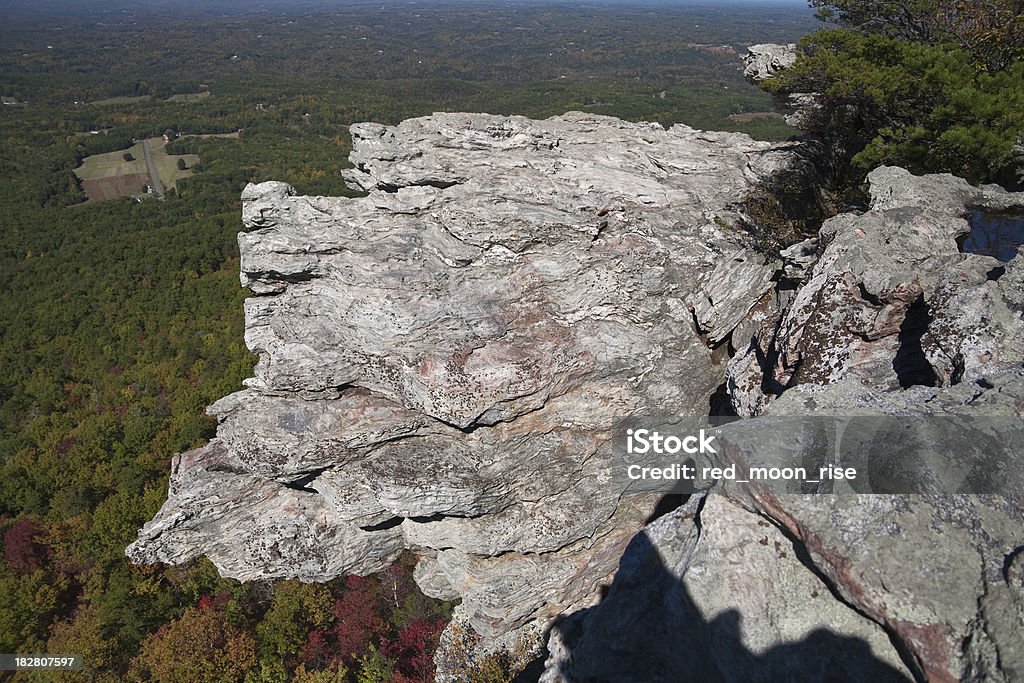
649, 628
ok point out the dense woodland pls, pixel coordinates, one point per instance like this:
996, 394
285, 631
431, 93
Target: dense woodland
120, 321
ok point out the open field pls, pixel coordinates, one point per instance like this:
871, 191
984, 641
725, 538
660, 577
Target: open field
122, 100
167, 164
189, 96
112, 164
112, 187
108, 176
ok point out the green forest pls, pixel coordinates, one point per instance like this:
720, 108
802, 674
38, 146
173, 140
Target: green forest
931, 85
121, 320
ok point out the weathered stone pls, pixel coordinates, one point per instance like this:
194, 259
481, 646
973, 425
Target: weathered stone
890, 320
253, 528
767, 59
441, 362
892, 302
738, 282
720, 594
799, 258
918, 565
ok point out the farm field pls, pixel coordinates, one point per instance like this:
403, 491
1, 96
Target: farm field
112, 187
121, 100
112, 164
109, 176
167, 164
189, 96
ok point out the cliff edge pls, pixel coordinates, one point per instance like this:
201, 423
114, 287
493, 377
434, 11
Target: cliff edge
443, 361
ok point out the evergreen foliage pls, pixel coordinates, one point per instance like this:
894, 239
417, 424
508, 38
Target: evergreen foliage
926, 84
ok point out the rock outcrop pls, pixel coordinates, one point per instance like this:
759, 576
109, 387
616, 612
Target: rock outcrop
441, 362
714, 592
883, 315
767, 59
892, 302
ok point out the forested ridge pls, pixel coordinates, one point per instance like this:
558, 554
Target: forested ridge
121, 320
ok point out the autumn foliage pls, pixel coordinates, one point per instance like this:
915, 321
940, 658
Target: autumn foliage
381, 622
23, 548
200, 646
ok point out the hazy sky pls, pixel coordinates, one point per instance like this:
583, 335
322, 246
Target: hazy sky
99, 7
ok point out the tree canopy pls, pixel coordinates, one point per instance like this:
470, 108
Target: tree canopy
932, 85
992, 31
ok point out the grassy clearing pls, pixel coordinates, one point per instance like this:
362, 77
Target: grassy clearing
112, 164
121, 100
108, 176
189, 96
167, 164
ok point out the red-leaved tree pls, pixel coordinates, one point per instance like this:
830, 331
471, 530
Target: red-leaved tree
413, 650
318, 651
360, 617
22, 548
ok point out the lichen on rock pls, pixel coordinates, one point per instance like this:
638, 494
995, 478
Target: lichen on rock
441, 361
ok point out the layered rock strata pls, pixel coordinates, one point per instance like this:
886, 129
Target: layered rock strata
883, 315
441, 362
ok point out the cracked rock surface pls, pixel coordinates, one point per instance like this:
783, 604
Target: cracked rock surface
892, 303
883, 315
441, 361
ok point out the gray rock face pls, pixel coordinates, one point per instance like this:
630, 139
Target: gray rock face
892, 302
894, 320
844, 588
891, 319
441, 361
714, 592
767, 59
738, 283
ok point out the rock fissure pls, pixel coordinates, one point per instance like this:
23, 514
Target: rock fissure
450, 379
910, 363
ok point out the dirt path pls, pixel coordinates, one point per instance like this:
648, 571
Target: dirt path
158, 188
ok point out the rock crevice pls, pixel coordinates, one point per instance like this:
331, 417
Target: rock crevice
443, 361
